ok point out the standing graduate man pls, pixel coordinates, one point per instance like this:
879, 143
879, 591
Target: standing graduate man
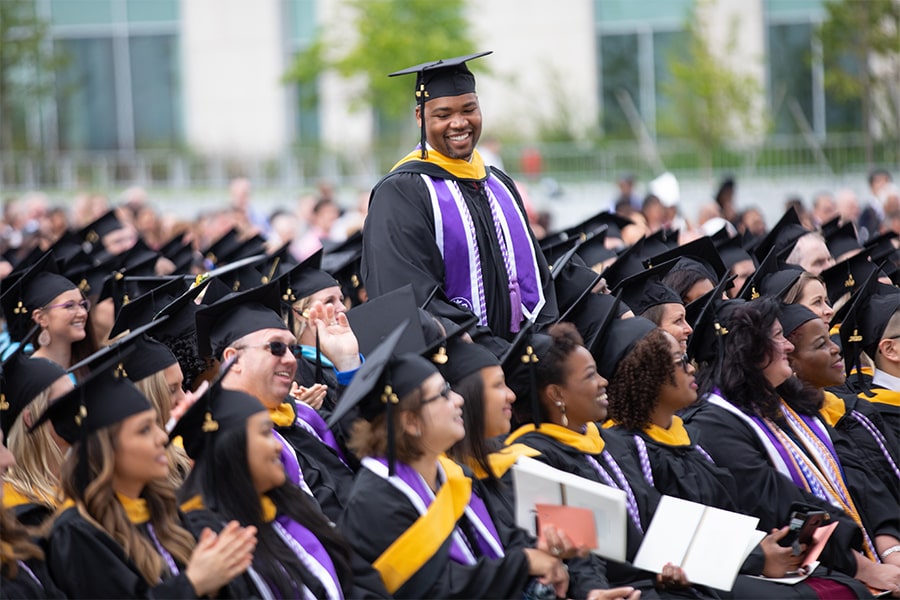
442, 218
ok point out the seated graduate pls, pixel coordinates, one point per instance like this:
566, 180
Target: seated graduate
23, 573
31, 484
313, 308
248, 326
572, 399
777, 453
652, 382
412, 511
239, 476
817, 364
118, 534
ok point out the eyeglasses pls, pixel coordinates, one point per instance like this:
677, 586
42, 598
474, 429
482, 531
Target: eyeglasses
277, 348
72, 305
683, 362
444, 393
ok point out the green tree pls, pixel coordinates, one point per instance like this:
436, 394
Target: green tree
388, 35
27, 62
861, 52
705, 100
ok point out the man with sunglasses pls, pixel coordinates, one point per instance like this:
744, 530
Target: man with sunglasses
247, 331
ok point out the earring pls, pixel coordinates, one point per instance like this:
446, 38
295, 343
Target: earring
562, 409
44, 338
418, 433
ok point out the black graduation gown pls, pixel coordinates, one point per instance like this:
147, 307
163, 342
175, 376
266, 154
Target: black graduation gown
683, 472
399, 247
377, 514
366, 581
571, 460
24, 585
888, 404
762, 491
85, 562
326, 475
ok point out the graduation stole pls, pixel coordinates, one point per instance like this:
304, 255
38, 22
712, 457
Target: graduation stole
309, 419
456, 238
882, 396
833, 409
676, 436
13, 497
818, 473
439, 514
502, 460
291, 465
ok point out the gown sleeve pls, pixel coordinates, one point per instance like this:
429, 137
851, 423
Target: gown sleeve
373, 501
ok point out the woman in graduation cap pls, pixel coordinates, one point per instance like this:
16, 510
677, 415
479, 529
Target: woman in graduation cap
412, 511
23, 572
31, 485
572, 400
651, 383
779, 454
238, 476
118, 535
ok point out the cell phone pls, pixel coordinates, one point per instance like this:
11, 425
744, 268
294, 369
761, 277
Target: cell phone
802, 526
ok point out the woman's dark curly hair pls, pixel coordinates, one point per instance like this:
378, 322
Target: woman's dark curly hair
748, 348
551, 368
634, 388
185, 350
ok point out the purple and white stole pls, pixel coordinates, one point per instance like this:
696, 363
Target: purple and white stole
410, 483
309, 419
455, 236
291, 465
311, 553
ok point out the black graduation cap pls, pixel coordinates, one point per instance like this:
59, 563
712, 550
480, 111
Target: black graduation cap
278, 262
124, 289
87, 273
881, 250
593, 250
840, 239
120, 348
645, 290
756, 285
465, 358
613, 223
863, 324
92, 234
303, 280
22, 379
344, 262
218, 251
591, 312
705, 316
438, 79
573, 282
730, 249
218, 411
104, 398
243, 274
144, 307
783, 236
33, 289
236, 315
847, 276
793, 316
519, 363
181, 253
375, 320
702, 250
629, 263
618, 340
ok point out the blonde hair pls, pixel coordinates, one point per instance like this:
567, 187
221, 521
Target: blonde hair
97, 503
155, 388
38, 457
300, 323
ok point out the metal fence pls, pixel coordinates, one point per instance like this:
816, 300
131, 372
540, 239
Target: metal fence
565, 162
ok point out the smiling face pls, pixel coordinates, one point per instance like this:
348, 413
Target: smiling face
674, 396
778, 370
498, 400
140, 453
452, 124
64, 317
440, 418
263, 454
674, 322
257, 371
816, 359
815, 298
583, 391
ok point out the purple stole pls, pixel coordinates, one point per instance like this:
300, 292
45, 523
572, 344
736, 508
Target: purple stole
310, 552
408, 481
455, 236
309, 419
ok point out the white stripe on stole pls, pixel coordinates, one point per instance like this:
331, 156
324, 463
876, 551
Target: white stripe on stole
382, 471
472, 246
438, 216
774, 456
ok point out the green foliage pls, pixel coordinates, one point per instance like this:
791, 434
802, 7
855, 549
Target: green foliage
388, 35
26, 67
705, 100
861, 53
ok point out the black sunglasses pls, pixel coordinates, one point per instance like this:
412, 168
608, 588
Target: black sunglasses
277, 348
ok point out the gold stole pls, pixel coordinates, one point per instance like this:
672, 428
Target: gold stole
461, 169
283, 416
588, 442
883, 396
502, 460
402, 559
833, 409
675, 435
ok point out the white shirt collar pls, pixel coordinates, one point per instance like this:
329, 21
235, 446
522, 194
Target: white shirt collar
886, 381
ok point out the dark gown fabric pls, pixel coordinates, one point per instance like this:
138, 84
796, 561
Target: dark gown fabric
683, 472
32, 514
763, 491
85, 562
326, 475
887, 402
399, 248
366, 581
572, 460
36, 584
378, 513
